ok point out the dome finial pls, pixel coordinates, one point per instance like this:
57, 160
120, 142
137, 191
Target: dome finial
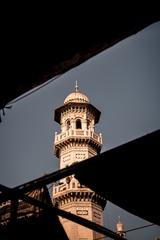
76, 86
76, 96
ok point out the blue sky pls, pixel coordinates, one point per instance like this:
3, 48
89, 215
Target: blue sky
122, 82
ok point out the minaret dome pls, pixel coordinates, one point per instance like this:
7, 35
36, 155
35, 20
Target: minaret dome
76, 96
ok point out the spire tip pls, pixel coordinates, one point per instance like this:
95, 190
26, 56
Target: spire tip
76, 86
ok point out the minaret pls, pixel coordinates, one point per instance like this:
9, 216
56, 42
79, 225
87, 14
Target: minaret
76, 142
120, 228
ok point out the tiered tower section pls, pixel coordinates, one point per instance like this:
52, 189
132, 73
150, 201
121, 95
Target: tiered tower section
76, 142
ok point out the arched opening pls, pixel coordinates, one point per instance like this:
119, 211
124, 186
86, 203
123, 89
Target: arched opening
78, 124
68, 124
88, 124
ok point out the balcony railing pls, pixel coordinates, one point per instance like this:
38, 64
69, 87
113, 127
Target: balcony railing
78, 133
74, 186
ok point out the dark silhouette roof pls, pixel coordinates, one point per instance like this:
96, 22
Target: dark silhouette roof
38, 44
30, 221
128, 176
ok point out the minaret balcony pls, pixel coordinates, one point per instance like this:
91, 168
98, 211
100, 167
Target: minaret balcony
66, 193
78, 133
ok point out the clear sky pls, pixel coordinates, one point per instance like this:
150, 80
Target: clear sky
123, 82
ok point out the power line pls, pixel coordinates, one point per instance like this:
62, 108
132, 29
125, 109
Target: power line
34, 90
9, 104
145, 226
133, 229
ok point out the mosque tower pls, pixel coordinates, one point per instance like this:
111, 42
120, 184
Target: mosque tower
76, 142
120, 228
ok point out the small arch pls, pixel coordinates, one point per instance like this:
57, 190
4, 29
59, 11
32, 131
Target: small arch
78, 124
88, 124
68, 124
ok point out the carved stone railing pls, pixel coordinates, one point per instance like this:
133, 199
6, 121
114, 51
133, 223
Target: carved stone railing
78, 133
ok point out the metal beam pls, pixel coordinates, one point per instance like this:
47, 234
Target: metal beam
13, 193
45, 180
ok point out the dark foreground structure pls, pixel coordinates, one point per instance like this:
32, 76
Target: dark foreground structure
128, 176
134, 165
40, 43
35, 51
23, 220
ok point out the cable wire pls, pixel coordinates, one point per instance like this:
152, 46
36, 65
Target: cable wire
9, 104
34, 90
133, 229
145, 226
